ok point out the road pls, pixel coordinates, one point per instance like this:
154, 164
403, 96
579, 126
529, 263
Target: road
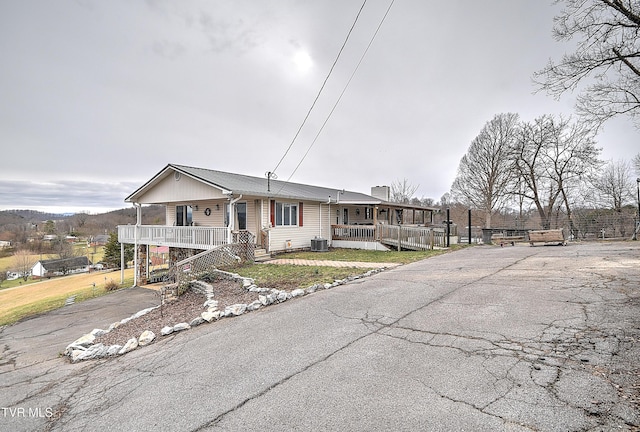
484, 339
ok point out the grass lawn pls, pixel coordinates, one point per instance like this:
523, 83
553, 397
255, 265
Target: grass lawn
290, 277
404, 257
80, 249
40, 297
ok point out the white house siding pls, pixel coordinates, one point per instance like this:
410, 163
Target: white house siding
38, 270
300, 237
217, 215
354, 217
215, 218
185, 189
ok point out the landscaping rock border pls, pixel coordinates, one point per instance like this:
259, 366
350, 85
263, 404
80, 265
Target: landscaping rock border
84, 348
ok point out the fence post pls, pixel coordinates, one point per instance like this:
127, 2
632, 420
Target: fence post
399, 237
469, 225
448, 228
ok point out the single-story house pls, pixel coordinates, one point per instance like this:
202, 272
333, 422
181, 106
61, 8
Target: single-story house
98, 240
204, 208
60, 267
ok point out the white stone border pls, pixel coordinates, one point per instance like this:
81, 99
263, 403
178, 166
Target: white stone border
83, 348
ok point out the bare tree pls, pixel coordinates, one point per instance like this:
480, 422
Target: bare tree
23, 261
402, 191
484, 173
636, 164
573, 158
62, 248
3, 276
550, 157
427, 202
615, 185
606, 62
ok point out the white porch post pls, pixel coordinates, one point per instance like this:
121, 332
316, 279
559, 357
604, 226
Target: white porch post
135, 242
232, 217
231, 222
121, 263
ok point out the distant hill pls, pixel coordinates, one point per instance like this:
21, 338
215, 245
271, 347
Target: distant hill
18, 216
18, 225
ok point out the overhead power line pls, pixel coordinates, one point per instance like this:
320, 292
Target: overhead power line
343, 91
321, 88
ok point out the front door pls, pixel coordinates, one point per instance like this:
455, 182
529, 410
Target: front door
345, 216
241, 215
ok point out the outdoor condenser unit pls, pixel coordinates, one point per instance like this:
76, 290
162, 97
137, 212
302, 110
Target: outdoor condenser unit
319, 244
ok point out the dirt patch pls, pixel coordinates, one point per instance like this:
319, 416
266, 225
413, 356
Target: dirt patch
187, 307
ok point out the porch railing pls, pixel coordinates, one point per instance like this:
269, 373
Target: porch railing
409, 237
194, 237
365, 233
414, 238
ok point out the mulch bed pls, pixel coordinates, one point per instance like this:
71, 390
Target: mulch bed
185, 308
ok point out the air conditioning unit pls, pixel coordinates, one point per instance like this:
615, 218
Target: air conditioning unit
319, 244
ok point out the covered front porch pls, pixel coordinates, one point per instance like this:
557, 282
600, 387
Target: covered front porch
187, 237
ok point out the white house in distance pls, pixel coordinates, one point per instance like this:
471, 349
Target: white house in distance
60, 267
204, 208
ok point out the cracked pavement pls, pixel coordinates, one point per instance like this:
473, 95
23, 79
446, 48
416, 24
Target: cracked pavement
516, 339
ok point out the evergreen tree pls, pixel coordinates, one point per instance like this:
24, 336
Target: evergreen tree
112, 251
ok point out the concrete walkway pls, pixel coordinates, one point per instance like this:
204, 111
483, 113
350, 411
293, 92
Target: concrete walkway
327, 263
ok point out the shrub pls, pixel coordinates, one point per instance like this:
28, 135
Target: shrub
111, 285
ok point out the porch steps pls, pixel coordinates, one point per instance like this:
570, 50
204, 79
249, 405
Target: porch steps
261, 255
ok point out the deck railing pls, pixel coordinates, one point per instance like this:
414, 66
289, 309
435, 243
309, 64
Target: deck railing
367, 233
414, 238
194, 237
409, 237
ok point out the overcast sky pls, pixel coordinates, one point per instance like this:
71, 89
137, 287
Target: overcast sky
96, 96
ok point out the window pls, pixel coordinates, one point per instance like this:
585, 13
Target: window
368, 212
285, 214
184, 215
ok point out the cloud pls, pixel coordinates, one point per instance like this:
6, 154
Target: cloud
64, 195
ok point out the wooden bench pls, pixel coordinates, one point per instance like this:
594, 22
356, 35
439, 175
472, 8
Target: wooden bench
547, 237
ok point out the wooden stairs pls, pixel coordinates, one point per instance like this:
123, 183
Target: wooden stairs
261, 255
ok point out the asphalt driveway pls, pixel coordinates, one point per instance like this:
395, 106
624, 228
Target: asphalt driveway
514, 338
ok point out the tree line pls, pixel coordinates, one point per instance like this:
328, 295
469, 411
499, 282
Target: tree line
553, 163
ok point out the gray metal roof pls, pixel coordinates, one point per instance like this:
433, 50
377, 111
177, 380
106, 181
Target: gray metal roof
239, 184
65, 263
